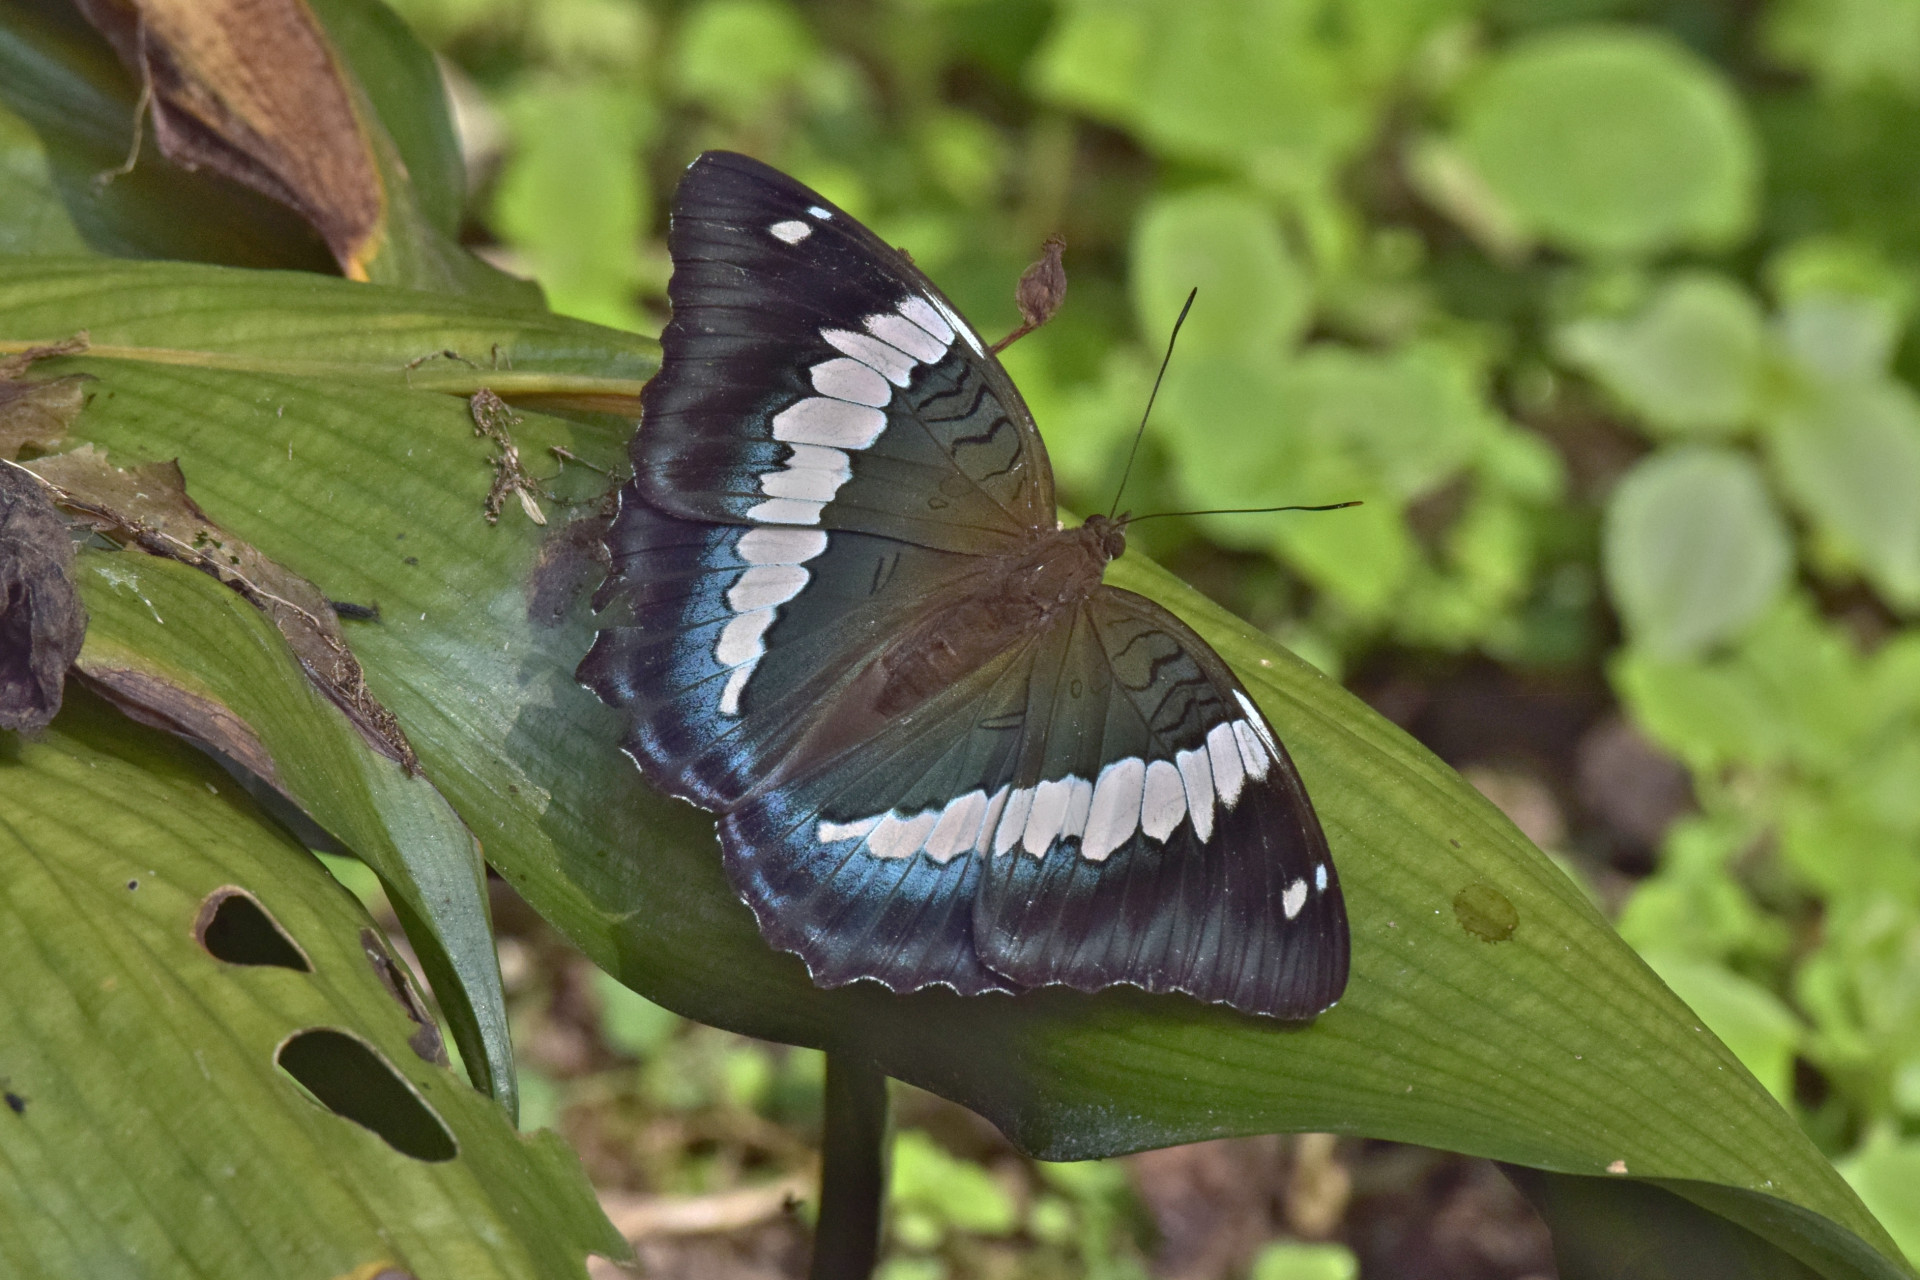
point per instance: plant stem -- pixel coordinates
(853, 1171)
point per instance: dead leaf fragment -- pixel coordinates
(42, 622)
(148, 507)
(36, 415)
(492, 419)
(148, 698)
(251, 89)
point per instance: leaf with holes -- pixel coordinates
(1515, 1026)
(206, 1057)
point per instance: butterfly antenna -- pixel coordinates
(1164, 361)
(1243, 511)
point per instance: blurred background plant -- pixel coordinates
(1601, 305)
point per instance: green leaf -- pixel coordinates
(1849, 44)
(1749, 1019)
(739, 56)
(154, 1131)
(1689, 363)
(953, 1192)
(1885, 1171)
(1694, 549)
(1612, 141)
(573, 197)
(1294, 1260)
(1556, 1047)
(1255, 298)
(1848, 454)
(165, 622)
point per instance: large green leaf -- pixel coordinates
(150, 1129)
(158, 621)
(1491, 1011)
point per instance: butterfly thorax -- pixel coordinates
(1013, 597)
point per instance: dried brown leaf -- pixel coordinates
(251, 89)
(149, 507)
(36, 415)
(148, 698)
(42, 622)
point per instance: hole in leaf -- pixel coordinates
(234, 927)
(349, 1078)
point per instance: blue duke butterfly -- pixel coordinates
(842, 615)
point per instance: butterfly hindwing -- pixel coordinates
(1189, 859)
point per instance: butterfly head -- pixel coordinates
(1108, 535)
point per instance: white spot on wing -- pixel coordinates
(780, 546)
(785, 511)
(1116, 808)
(1047, 816)
(958, 325)
(1197, 774)
(1259, 723)
(736, 685)
(852, 381)
(885, 359)
(812, 484)
(823, 420)
(1223, 753)
(822, 214)
(922, 313)
(958, 827)
(834, 832)
(1294, 898)
(791, 231)
(764, 586)
(991, 822)
(1079, 803)
(896, 330)
(1164, 801)
(741, 639)
(1252, 751)
(1320, 878)
(1013, 821)
(898, 837)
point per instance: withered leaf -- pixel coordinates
(36, 415)
(148, 507)
(252, 90)
(42, 622)
(1042, 288)
(148, 698)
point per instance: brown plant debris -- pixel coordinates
(148, 507)
(36, 415)
(148, 698)
(252, 90)
(42, 622)
(1042, 288)
(492, 419)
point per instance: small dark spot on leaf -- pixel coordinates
(512, 790)
(1454, 843)
(1485, 912)
(132, 885)
(16, 1103)
(356, 612)
(411, 560)
(234, 927)
(348, 1077)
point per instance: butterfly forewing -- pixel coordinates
(839, 614)
(812, 376)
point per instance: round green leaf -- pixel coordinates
(1255, 298)
(1848, 455)
(1694, 550)
(1613, 142)
(1689, 363)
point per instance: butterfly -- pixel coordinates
(842, 614)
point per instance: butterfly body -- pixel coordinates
(843, 616)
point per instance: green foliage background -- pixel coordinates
(1439, 245)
